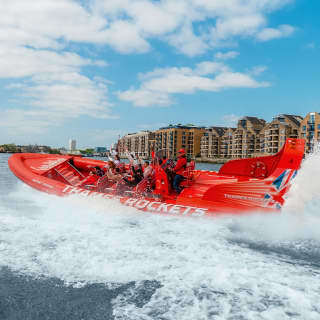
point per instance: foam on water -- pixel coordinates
(257, 266)
(305, 192)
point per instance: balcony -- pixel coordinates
(311, 128)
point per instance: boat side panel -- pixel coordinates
(19, 165)
(85, 164)
(260, 167)
(209, 192)
(289, 157)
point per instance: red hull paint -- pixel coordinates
(240, 186)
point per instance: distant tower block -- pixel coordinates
(72, 145)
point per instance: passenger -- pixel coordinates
(105, 168)
(112, 173)
(120, 165)
(147, 170)
(131, 158)
(99, 171)
(178, 169)
(117, 160)
(137, 175)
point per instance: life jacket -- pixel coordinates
(181, 165)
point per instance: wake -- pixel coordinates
(225, 266)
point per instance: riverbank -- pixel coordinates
(214, 161)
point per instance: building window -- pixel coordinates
(304, 128)
(312, 117)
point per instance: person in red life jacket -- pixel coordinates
(178, 169)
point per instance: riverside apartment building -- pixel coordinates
(310, 130)
(252, 137)
(140, 143)
(174, 137)
(246, 139)
(211, 142)
(276, 132)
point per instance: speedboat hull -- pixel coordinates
(240, 186)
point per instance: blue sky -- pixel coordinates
(95, 69)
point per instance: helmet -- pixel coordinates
(182, 151)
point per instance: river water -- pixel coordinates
(95, 259)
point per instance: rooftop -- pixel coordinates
(180, 126)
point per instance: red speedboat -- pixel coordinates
(242, 185)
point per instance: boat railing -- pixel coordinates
(76, 169)
(61, 175)
(69, 173)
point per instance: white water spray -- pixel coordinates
(300, 216)
(228, 267)
(305, 192)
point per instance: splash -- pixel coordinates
(299, 219)
(226, 267)
(305, 192)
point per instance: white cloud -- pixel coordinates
(226, 55)
(70, 99)
(125, 37)
(146, 98)
(238, 25)
(128, 25)
(157, 86)
(230, 120)
(49, 80)
(53, 87)
(154, 18)
(184, 24)
(258, 70)
(18, 62)
(17, 122)
(271, 33)
(208, 67)
(186, 42)
(42, 23)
